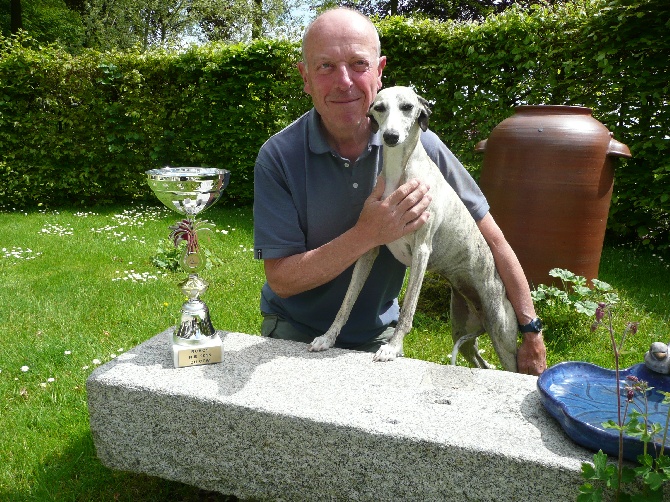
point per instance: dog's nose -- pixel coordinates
(391, 138)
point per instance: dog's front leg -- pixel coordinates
(394, 347)
(358, 277)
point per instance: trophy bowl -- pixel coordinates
(189, 191)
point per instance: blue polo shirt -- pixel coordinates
(305, 195)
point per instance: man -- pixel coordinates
(318, 203)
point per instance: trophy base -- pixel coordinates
(208, 351)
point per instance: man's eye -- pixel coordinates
(361, 65)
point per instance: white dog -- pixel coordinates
(450, 244)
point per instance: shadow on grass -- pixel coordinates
(77, 474)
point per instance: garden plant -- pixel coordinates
(632, 420)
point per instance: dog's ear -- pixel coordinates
(424, 113)
(374, 125)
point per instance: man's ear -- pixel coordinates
(381, 63)
(424, 113)
(302, 68)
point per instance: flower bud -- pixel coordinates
(633, 327)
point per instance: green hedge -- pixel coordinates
(84, 129)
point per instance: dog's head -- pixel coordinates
(397, 112)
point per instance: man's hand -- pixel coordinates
(531, 357)
(401, 213)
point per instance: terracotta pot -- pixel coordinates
(548, 176)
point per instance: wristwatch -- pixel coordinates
(534, 326)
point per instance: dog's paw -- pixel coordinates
(386, 353)
(321, 343)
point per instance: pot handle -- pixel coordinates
(618, 149)
(481, 146)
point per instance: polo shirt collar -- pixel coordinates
(317, 140)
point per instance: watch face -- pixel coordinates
(533, 326)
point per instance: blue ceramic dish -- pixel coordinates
(581, 396)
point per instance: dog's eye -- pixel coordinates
(381, 107)
(407, 107)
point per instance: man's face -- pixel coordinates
(342, 71)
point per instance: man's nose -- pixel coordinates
(343, 77)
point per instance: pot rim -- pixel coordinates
(554, 109)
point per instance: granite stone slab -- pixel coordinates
(276, 422)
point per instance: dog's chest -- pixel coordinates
(402, 249)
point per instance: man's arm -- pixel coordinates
(380, 222)
(532, 354)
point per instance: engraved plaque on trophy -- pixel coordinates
(189, 191)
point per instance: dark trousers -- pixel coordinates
(274, 326)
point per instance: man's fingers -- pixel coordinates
(378, 190)
(417, 210)
(401, 213)
(414, 202)
(410, 191)
(416, 223)
(409, 198)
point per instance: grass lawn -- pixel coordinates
(79, 288)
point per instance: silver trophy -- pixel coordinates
(189, 191)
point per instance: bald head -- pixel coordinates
(342, 72)
(337, 20)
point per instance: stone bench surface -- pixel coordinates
(276, 422)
